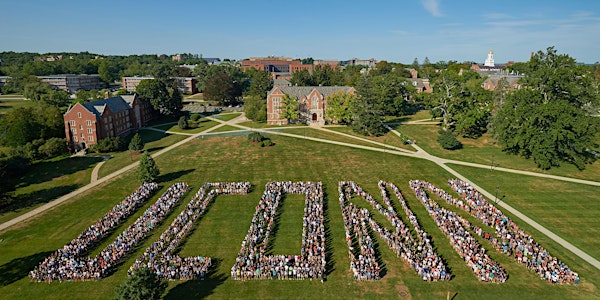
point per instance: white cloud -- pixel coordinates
(432, 6)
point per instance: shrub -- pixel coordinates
(448, 140)
(195, 117)
(266, 143)
(183, 124)
(255, 137)
(136, 143)
(110, 144)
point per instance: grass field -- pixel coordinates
(153, 141)
(484, 150)
(220, 231)
(7, 103)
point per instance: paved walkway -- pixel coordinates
(420, 153)
(97, 168)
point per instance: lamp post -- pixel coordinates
(496, 197)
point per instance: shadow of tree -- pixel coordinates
(47, 170)
(37, 197)
(20, 267)
(174, 175)
(199, 289)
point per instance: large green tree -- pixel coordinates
(255, 108)
(147, 171)
(163, 95)
(223, 88)
(260, 83)
(142, 284)
(338, 107)
(290, 110)
(547, 119)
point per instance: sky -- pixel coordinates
(394, 30)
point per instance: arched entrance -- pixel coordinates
(314, 117)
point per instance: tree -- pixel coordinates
(83, 96)
(290, 111)
(108, 70)
(147, 170)
(260, 83)
(338, 108)
(136, 144)
(142, 284)
(302, 78)
(182, 123)
(367, 117)
(546, 119)
(448, 141)
(166, 100)
(223, 89)
(255, 109)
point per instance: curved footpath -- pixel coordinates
(420, 153)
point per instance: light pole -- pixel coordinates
(496, 197)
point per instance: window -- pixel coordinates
(315, 102)
(90, 138)
(74, 139)
(72, 122)
(81, 127)
(82, 136)
(73, 130)
(89, 130)
(88, 123)
(79, 115)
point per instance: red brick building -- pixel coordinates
(312, 103)
(87, 123)
(275, 64)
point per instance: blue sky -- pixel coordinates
(391, 30)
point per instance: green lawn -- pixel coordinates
(203, 124)
(226, 128)
(7, 104)
(153, 141)
(227, 116)
(220, 231)
(483, 149)
(315, 133)
(46, 181)
(389, 138)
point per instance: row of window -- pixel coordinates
(90, 138)
(87, 122)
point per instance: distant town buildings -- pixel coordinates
(185, 85)
(72, 83)
(87, 123)
(312, 102)
(275, 64)
(496, 74)
(369, 63)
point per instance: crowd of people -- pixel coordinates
(159, 256)
(418, 254)
(253, 263)
(69, 263)
(453, 226)
(509, 239)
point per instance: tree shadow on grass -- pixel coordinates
(330, 265)
(18, 202)
(174, 175)
(199, 289)
(47, 170)
(20, 267)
